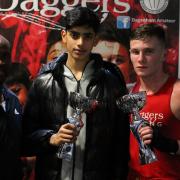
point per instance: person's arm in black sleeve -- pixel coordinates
(35, 136)
(123, 130)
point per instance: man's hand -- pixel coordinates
(67, 134)
(146, 133)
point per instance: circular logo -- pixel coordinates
(154, 6)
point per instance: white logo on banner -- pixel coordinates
(154, 6)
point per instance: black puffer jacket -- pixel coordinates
(107, 128)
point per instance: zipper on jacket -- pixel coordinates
(78, 86)
(74, 151)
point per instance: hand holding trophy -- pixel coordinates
(80, 104)
(132, 103)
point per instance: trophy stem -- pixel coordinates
(136, 114)
(65, 151)
(77, 113)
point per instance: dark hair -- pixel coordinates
(18, 73)
(149, 30)
(109, 32)
(80, 16)
(4, 50)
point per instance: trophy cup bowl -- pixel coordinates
(133, 103)
(77, 101)
(130, 101)
(80, 104)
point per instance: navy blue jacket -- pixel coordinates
(10, 137)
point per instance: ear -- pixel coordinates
(96, 40)
(63, 35)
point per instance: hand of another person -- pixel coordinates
(146, 133)
(67, 134)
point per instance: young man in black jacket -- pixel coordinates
(101, 147)
(10, 121)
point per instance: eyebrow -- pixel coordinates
(76, 32)
(139, 49)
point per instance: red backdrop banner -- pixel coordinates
(33, 28)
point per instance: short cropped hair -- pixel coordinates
(81, 16)
(18, 73)
(149, 30)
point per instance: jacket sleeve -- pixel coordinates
(120, 120)
(122, 152)
(121, 128)
(121, 135)
(35, 134)
(10, 137)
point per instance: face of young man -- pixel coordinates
(20, 90)
(79, 42)
(147, 56)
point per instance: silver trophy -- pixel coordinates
(132, 103)
(80, 104)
